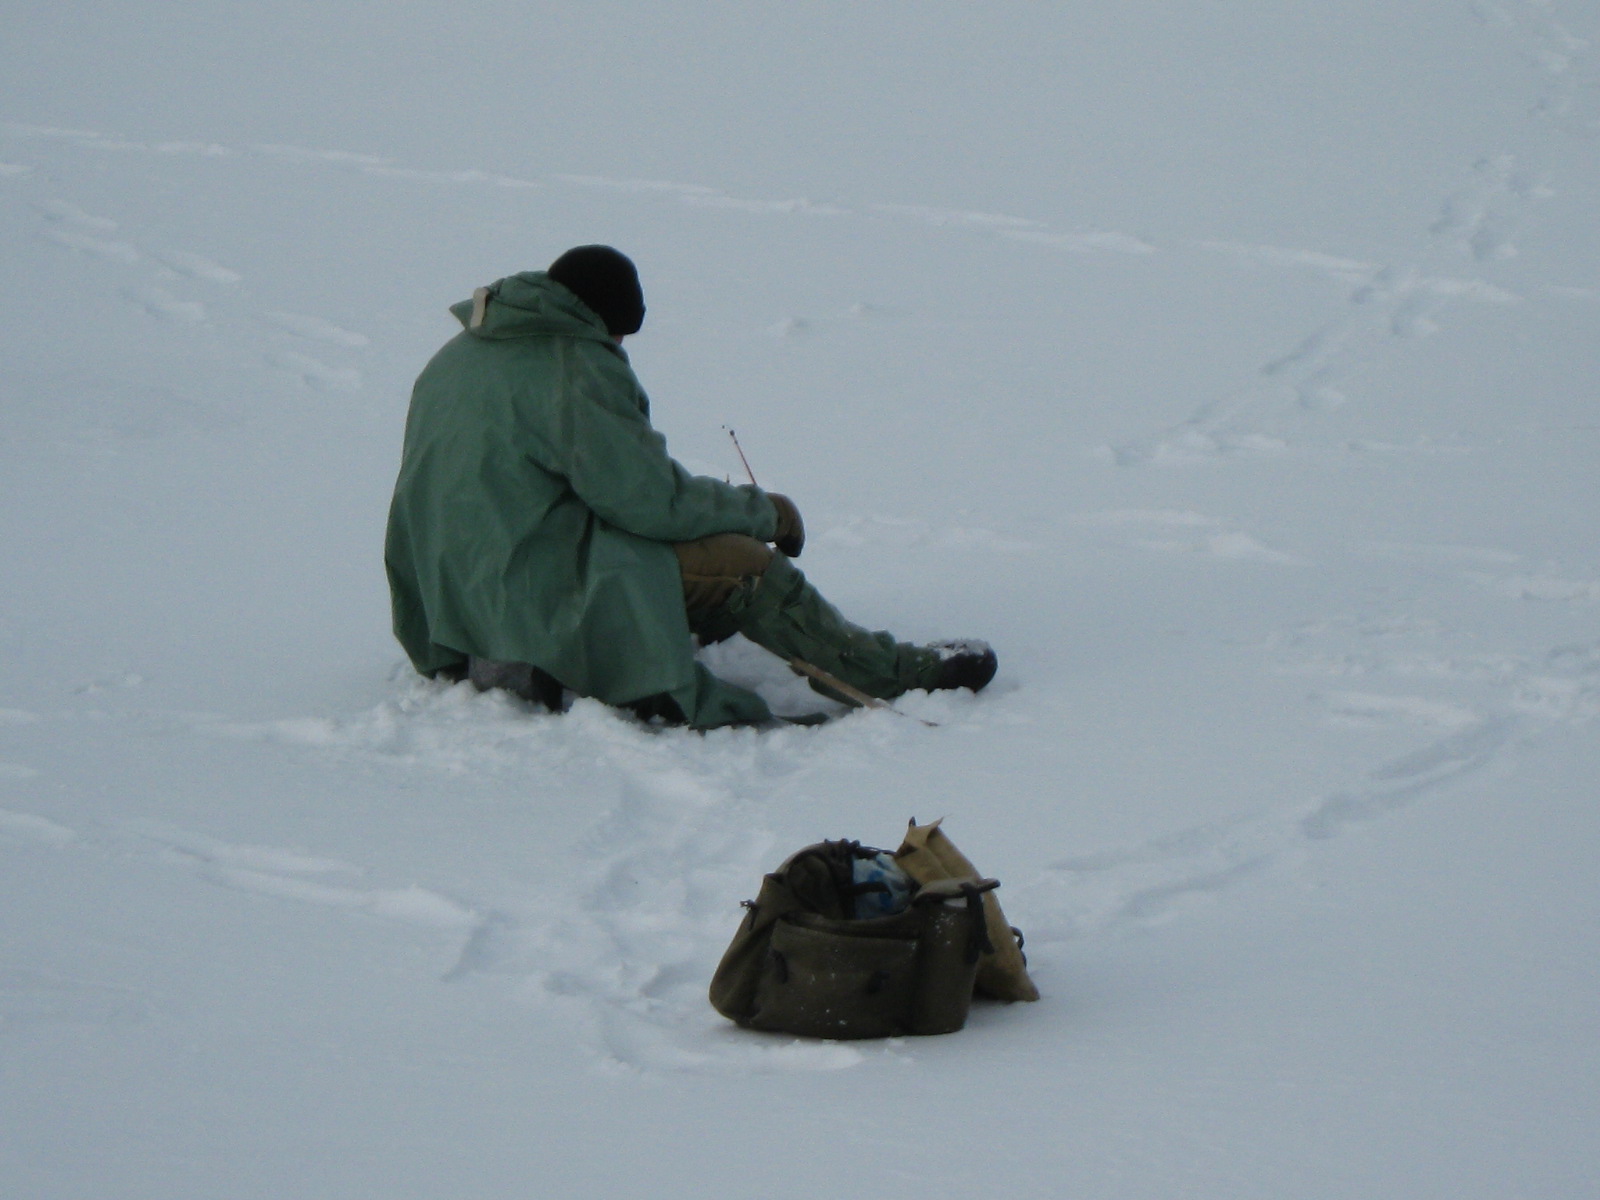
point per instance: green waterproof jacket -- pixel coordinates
(536, 507)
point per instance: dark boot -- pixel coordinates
(969, 663)
(520, 679)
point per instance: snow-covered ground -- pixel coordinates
(1234, 369)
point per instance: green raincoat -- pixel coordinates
(535, 511)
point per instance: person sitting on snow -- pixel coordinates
(541, 537)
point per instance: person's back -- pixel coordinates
(536, 508)
(475, 508)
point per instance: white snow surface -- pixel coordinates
(1235, 370)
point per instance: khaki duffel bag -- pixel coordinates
(809, 959)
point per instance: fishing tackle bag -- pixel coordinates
(844, 942)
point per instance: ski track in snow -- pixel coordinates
(162, 268)
(1475, 227)
(259, 870)
(1078, 241)
(288, 875)
(22, 827)
(1389, 304)
(1097, 895)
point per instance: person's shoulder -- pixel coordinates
(602, 350)
(603, 360)
(448, 357)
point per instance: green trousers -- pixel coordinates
(735, 584)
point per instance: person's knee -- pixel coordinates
(713, 569)
(734, 556)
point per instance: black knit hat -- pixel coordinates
(605, 280)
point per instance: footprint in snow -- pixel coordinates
(30, 829)
(159, 302)
(309, 879)
(197, 266)
(1152, 882)
(111, 251)
(1399, 782)
(70, 214)
(315, 329)
(317, 374)
(1368, 709)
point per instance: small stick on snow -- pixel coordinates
(853, 693)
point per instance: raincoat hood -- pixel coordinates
(530, 304)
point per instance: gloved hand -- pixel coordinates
(790, 537)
